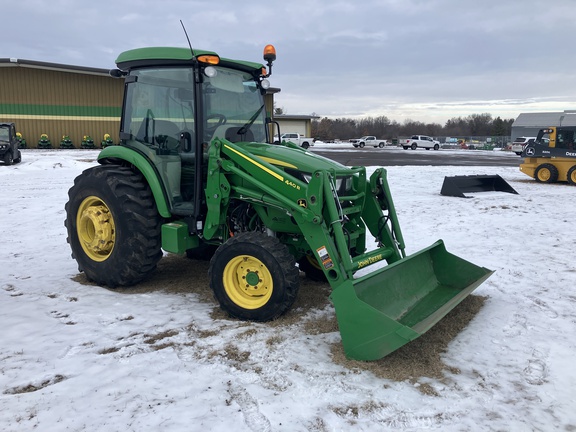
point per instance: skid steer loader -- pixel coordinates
(197, 173)
(551, 157)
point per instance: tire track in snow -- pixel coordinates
(253, 418)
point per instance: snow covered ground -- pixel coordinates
(162, 357)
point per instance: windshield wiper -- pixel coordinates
(247, 126)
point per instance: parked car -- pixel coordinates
(368, 140)
(419, 141)
(521, 142)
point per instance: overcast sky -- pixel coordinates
(426, 60)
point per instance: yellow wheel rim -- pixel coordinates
(573, 177)
(544, 174)
(96, 229)
(247, 282)
(313, 262)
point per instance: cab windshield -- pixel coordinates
(4, 134)
(161, 103)
(234, 106)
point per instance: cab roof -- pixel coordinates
(171, 56)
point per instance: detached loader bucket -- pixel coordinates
(380, 312)
(457, 185)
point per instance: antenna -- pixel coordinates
(189, 44)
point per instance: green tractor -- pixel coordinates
(87, 142)
(44, 142)
(22, 141)
(197, 173)
(106, 141)
(66, 142)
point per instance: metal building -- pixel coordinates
(57, 99)
(528, 124)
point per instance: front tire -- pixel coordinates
(414, 146)
(113, 226)
(546, 173)
(8, 159)
(254, 277)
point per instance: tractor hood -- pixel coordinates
(292, 158)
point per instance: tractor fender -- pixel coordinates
(145, 167)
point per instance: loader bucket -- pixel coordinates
(457, 185)
(382, 311)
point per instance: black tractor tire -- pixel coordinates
(546, 173)
(572, 176)
(254, 277)
(113, 226)
(8, 158)
(414, 146)
(311, 268)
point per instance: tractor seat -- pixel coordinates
(230, 133)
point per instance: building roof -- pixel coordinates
(295, 117)
(544, 119)
(14, 62)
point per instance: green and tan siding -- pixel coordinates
(57, 103)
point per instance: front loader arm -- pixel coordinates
(319, 212)
(378, 311)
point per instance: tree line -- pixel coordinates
(382, 127)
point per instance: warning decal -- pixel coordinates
(325, 257)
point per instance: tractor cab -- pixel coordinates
(174, 109)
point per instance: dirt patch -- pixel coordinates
(423, 356)
(313, 313)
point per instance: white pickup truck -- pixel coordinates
(368, 140)
(421, 141)
(298, 139)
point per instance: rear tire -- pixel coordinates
(572, 176)
(254, 277)
(113, 226)
(546, 173)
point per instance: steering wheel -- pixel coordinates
(211, 128)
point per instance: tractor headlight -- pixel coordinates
(343, 184)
